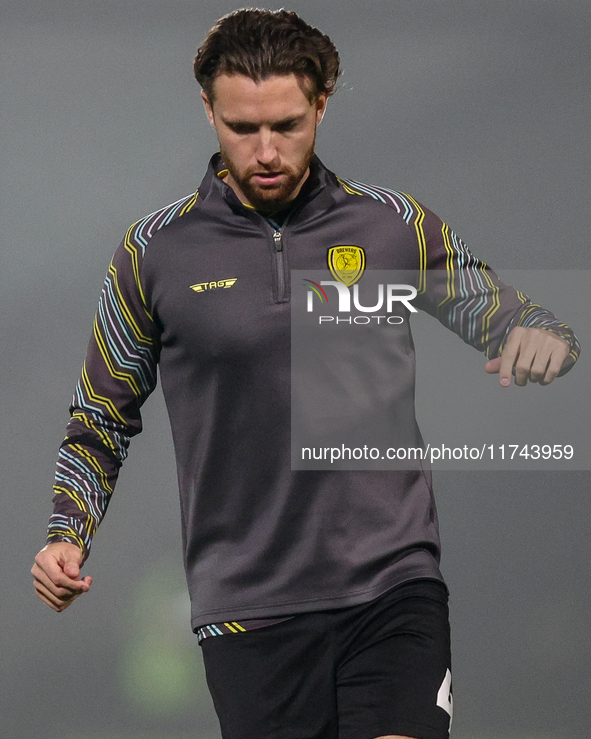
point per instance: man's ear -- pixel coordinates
(321, 107)
(208, 108)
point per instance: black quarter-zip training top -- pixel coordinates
(201, 288)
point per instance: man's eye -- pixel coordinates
(242, 128)
(286, 127)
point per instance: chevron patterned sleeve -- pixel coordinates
(461, 290)
(118, 375)
(468, 297)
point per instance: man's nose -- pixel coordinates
(266, 152)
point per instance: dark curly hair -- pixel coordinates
(259, 43)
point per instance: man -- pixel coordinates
(316, 595)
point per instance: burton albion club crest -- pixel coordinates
(346, 263)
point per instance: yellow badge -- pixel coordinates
(346, 263)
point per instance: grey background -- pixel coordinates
(480, 110)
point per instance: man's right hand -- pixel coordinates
(57, 575)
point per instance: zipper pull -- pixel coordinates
(277, 240)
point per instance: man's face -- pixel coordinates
(266, 132)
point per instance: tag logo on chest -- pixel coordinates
(202, 287)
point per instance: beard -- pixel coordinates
(270, 197)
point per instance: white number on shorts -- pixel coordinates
(444, 697)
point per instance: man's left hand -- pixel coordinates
(532, 354)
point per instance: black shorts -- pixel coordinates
(361, 672)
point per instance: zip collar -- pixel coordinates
(213, 186)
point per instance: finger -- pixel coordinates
(58, 600)
(66, 573)
(493, 365)
(57, 606)
(553, 368)
(51, 590)
(508, 360)
(55, 580)
(52, 600)
(550, 353)
(48, 598)
(49, 602)
(560, 351)
(524, 366)
(539, 367)
(72, 570)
